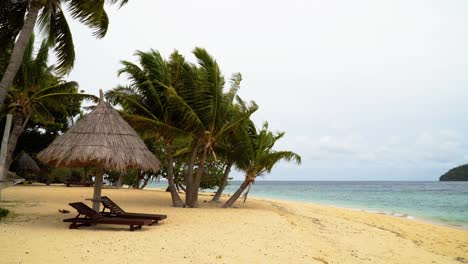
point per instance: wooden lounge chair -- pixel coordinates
(91, 217)
(116, 211)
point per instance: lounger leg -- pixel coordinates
(132, 228)
(73, 226)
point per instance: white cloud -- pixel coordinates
(428, 149)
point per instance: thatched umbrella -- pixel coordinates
(102, 139)
(25, 164)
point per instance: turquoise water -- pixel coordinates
(443, 202)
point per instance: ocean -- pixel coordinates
(440, 202)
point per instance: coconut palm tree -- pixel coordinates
(207, 111)
(36, 92)
(50, 17)
(145, 102)
(259, 158)
(232, 145)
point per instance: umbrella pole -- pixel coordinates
(97, 188)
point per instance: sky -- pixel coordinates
(364, 89)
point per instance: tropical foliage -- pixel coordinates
(4, 212)
(38, 95)
(174, 101)
(19, 17)
(259, 158)
(40, 102)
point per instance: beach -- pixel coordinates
(259, 231)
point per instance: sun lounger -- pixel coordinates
(91, 217)
(116, 211)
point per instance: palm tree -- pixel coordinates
(49, 15)
(207, 112)
(260, 158)
(232, 145)
(36, 92)
(145, 102)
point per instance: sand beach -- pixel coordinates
(259, 231)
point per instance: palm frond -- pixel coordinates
(92, 14)
(63, 95)
(131, 100)
(211, 83)
(119, 2)
(236, 80)
(187, 114)
(42, 56)
(148, 126)
(60, 37)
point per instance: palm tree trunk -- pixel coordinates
(136, 185)
(15, 134)
(145, 182)
(189, 173)
(18, 51)
(237, 194)
(176, 200)
(3, 149)
(118, 184)
(180, 186)
(220, 190)
(84, 179)
(196, 185)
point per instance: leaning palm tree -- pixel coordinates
(232, 145)
(49, 16)
(259, 158)
(36, 93)
(207, 111)
(145, 103)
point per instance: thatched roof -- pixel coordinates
(102, 138)
(24, 163)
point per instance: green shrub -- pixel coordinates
(4, 212)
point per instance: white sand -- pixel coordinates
(260, 231)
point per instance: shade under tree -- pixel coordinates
(102, 139)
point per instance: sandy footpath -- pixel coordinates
(259, 231)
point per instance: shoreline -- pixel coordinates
(259, 231)
(400, 215)
(364, 210)
(379, 212)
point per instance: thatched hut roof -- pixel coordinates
(102, 138)
(24, 163)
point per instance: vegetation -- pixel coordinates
(205, 129)
(20, 17)
(36, 93)
(177, 100)
(4, 212)
(259, 158)
(459, 173)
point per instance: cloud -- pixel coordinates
(427, 149)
